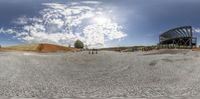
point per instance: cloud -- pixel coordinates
(65, 23)
(196, 30)
(21, 20)
(9, 31)
(91, 2)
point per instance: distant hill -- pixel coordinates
(121, 48)
(39, 48)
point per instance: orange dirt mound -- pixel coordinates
(54, 48)
(39, 48)
(196, 49)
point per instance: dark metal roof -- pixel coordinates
(176, 33)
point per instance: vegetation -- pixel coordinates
(122, 48)
(79, 44)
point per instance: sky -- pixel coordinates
(98, 23)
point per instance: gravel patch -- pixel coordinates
(104, 75)
(168, 51)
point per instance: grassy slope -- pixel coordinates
(28, 47)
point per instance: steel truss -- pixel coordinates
(181, 37)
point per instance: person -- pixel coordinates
(96, 51)
(92, 51)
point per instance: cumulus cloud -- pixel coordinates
(65, 23)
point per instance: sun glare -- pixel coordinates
(101, 20)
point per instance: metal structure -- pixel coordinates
(181, 37)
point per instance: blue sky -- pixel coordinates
(139, 22)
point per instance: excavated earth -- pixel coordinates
(162, 73)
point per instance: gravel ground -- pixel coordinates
(104, 75)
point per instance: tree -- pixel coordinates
(78, 44)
